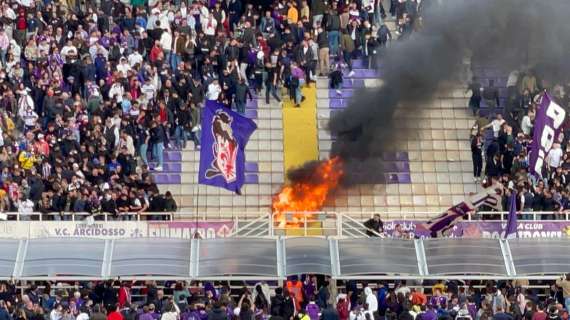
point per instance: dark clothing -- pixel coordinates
(329, 313)
(242, 92)
(502, 316)
(277, 305)
(217, 314)
(323, 40)
(373, 226)
(492, 94)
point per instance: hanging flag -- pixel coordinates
(443, 224)
(547, 127)
(511, 228)
(224, 136)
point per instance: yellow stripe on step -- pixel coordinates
(300, 137)
(314, 228)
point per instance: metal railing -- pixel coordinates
(257, 216)
(80, 216)
(385, 215)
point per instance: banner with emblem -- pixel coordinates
(225, 134)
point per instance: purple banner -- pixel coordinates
(441, 225)
(480, 229)
(224, 136)
(547, 126)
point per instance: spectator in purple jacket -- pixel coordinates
(313, 310)
(146, 315)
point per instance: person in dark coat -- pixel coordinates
(217, 313)
(277, 302)
(374, 226)
(241, 95)
(329, 313)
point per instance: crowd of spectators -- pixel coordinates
(500, 142)
(92, 92)
(308, 298)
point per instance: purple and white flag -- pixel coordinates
(443, 224)
(547, 126)
(511, 228)
(224, 136)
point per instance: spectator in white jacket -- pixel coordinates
(209, 25)
(371, 300)
(171, 312)
(166, 44)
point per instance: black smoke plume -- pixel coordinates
(508, 33)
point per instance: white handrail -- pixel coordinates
(251, 216)
(73, 216)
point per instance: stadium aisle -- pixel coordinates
(300, 142)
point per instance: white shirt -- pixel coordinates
(214, 91)
(526, 125)
(26, 207)
(513, 78)
(554, 157)
(123, 68)
(166, 41)
(67, 50)
(30, 118)
(209, 27)
(135, 58)
(496, 124)
(148, 90)
(117, 91)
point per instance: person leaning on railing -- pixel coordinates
(374, 226)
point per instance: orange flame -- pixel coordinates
(305, 197)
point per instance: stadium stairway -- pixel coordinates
(264, 171)
(431, 170)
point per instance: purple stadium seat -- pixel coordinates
(402, 166)
(251, 167)
(404, 178)
(161, 178)
(402, 156)
(251, 104)
(174, 179)
(251, 179)
(358, 63)
(336, 104)
(172, 156)
(172, 167)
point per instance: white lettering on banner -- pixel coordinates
(547, 137)
(181, 230)
(556, 113)
(103, 230)
(114, 229)
(525, 234)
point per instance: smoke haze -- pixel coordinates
(510, 33)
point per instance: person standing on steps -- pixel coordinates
(477, 155)
(241, 95)
(323, 42)
(297, 82)
(347, 47)
(271, 82)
